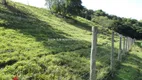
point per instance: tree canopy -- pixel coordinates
(87, 13)
(64, 7)
(4, 2)
(126, 26)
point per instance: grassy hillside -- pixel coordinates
(131, 68)
(37, 45)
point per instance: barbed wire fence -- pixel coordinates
(125, 44)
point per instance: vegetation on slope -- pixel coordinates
(131, 68)
(36, 45)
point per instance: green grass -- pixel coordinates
(131, 68)
(37, 45)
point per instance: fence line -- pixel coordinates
(125, 44)
(123, 48)
(120, 48)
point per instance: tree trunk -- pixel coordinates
(4, 2)
(93, 54)
(112, 54)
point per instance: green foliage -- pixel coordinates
(103, 21)
(64, 7)
(100, 13)
(123, 26)
(87, 14)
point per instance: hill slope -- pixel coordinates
(131, 68)
(37, 45)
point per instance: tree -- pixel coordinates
(87, 13)
(4, 2)
(74, 7)
(100, 13)
(49, 3)
(64, 7)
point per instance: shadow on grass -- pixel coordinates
(77, 23)
(10, 62)
(14, 10)
(31, 26)
(139, 44)
(130, 69)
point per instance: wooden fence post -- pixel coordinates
(124, 45)
(93, 54)
(112, 54)
(127, 44)
(120, 48)
(133, 41)
(130, 43)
